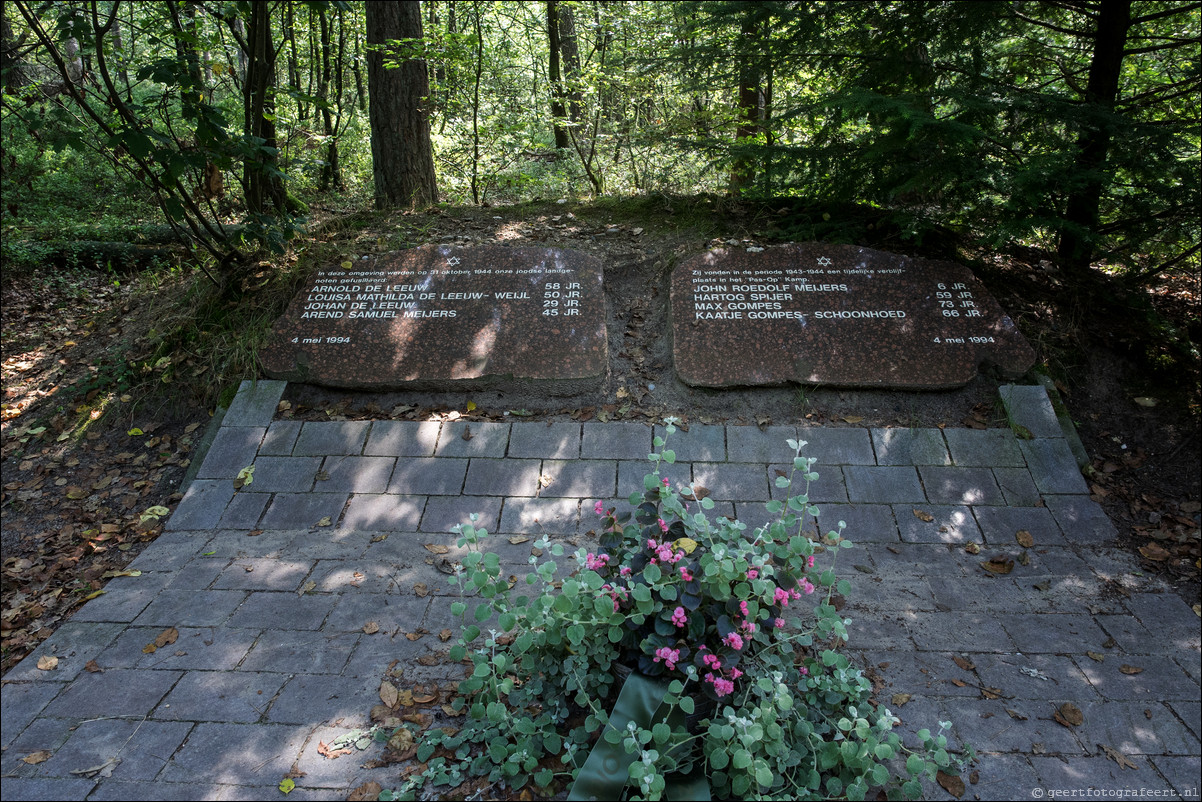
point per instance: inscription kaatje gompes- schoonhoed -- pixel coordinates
(439, 314)
(836, 315)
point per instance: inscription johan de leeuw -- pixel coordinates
(439, 314)
(836, 315)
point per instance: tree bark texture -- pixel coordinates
(558, 112)
(750, 112)
(260, 174)
(402, 156)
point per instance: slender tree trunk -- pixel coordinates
(357, 70)
(260, 175)
(331, 171)
(402, 156)
(302, 110)
(476, 105)
(742, 174)
(558, 112)
(569, 50)
(1082, 208)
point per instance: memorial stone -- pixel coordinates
(836, 315)
(442, 317)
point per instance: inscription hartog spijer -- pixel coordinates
(440, 315)
(836, 315)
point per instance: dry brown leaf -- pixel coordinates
(964, 663)
(421, 590)
(40, 756)
(425, 697)
(972, 548)
(414, 636)
(992, 693)
(1154, 551)
(853, 418)
(401, 740)
(405, 698)
(325, 751)
(435, 548)
(371, 628)
(429, 660)
(389, 694)
(959, 683)
(1024, 538)
(305, 588)
(923, 516)
(516, 539)
(1128, 669)
(467, 433)
(1014, 714)
(1068, 715)
(92, 667)
(445, 635)
(451, 711)
(167, 637)
(1118, 757)
(325, 521)
(952, 784)
(47, 663)
(368, 792)
(1097, 657)
(900, 699)
(1000, 565)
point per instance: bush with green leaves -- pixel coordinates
(714, 608)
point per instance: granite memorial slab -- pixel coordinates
(836, 315)
(438, 317)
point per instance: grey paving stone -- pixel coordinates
(559, 440)
(1035, 676)
(502, 477)
(129, 791)
(537, 516)
(255, 403)
(282, 475)
(226, 696)
(1017, 487)
(189, 608)
(958, 631)
(1192, 665)
(297, 652)
(753, 444)
(880, 632)
(999, 525)
(587, 479)
(1190, 713)
(428, 476)
(280, 438)
(1081, 519)
(615, 440)
(950, 524)
(830, 486)
(910, 447)
(202, 571)
(837, 446)
(1053, 466)
(341, 544)
(392, 613)
(117, 692)
(1168, 616)
(47, 788)
(42, 733)
(124, 598)
(196, 648)
(264, 573)
(733, 482)
(142, 747)
(326, 699)
(875, 592)
(484, 439)
(20, 703)
(267, 543)
(282, 611)
(866, 523)
(362, 576)
(321, 773)
(443, 512)
(630, 476)
(1133, 637)
(202, 506)
(960, 485)
(1001, 776)
(984, 723)
(392, 438)
(232, 449)
(1181, 772)
(302, 510)
(323, 438)
(1158, 679)
(1029, 407)
(171, 551)
(945, 563)
(1136, 728)
(981, 592)
(232, 753)
(383, 513)
(883, 485)
(355, 474)
(74, 643)
(984, 448)
(919, 673)
(1045, 633)
(244, 511)
(701, 443)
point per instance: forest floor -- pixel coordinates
(93, 450)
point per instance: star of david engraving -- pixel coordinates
(452, 261)
(824, 261)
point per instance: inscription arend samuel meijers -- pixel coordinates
(836, 315)
(438, 315)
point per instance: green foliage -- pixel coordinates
(777, 710)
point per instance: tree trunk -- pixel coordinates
(1093, 142)
(331, 171)
(558, 112)
(570, 51)
(260, 176)
(402, 156)
(751, 99)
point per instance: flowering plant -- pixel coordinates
(736, 622)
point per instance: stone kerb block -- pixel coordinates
(836, 315)
(442, 317)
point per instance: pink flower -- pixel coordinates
(597, 508)
(711, 661)
(663, 527)
(751, 572)
(685, 575)
(807, 587)
(804, 671)
(722, 687)
(780, 622)
(796, 594)
(651, 544)
(625, 570)
(810, 561)
(781, 597)
(748, 627)
(665, 481)
(733, 641)
(680, 617)
(735, 673)
(669, 656)
(595, 563)
(743, 608)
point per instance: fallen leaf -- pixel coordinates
(1024, 538)
(429, 660)
(40, 756)
(1044, 585)
(244, 477)
(92, 667)
(1145, 401)
(325, 751)
(1068, 715)
(964, 663)
(952, 784)
(424, 697)
(1096, 656)
(136, 432)
(401, 740)
(1014, 714)
(972, 548)
(992, 693)
(286, 785)
(900, 699)
(371, 628)
(421, 590)
(368, 792)
(451, 711)
(1118, 757)
(923, 516)
(435, 548)
(516, 539)
(325, 521)
(105, 769)
(467, 433)
(445, 635)
(167, 637)
(1154, 551)
(1128, 669)
(414, 636)
(47, 663)
(853, 418)
(389, 694)
(1001, 565)
(305, 588)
